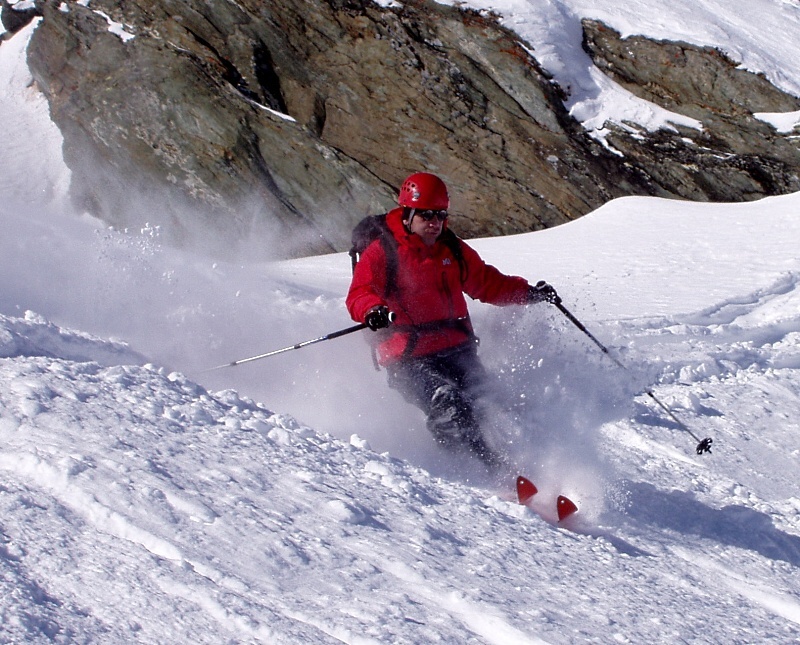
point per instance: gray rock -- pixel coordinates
(15, 17)
(735, 157)
(185, 125)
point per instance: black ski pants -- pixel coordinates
(448, 387)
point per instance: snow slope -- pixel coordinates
(296, 499)
(139, 507)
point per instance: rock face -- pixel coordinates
(735, 157)
(277, 125)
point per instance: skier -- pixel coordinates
(412, 288)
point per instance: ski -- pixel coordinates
(565, 507)
(526, 490)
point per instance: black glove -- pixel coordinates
(543, 292)
(378, 318)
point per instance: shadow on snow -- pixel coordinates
(733, 525)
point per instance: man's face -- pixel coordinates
(428, 230)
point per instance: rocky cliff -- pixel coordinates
(263, 121)
(735, 156)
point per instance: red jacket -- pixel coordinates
(430, 291)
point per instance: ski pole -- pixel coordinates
(331, 336)
(704, 445)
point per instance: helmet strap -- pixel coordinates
(408, 215)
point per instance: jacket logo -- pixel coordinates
(446, 261)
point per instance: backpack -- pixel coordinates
(374, 227)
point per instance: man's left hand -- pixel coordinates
(543, 292)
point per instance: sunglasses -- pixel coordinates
(428, 215)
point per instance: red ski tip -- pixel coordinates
(565, 507)
(525, 489)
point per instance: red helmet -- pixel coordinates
(424, 191)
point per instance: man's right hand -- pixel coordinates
(378, 318)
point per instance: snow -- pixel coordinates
(116, 28)
(144, 499)
(784, 122)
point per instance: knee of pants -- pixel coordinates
(450, 417)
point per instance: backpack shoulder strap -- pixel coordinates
(389, 244)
